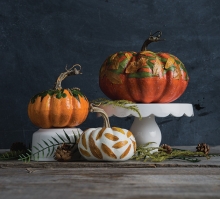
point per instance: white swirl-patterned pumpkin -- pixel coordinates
(106, 143)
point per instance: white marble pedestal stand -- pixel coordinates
(146, 130)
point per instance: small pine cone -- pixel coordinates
(64, 153)
(167, 148)
(18, 146)
(203, 147)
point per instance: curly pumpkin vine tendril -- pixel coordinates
(94, 108)
(72, 71)
(152, 38)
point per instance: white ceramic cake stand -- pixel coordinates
(146, 130)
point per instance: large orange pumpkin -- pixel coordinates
(144, 77)
(59, 107)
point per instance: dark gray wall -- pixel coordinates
(38, 39)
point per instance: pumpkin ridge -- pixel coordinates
(45, 112)
(79, 111)
(37, 112)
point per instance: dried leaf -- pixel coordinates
(114, 62)
(176, 74)
(177, 71)
(84, 140)
(94, 149)
(125, 152)
(113, 56)
(170, 62)
(113, 77)
(111, 137)
(99, 135)
(158, 67)
(128, 55)
(120, 144)
(118, 130)
(132, 67)
(142, 62)
(84, 152)
(108, 151)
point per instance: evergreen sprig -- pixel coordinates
(120, 103)
(50, 145)
(11, 155)
(158, 154)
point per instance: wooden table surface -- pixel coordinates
(124, 180)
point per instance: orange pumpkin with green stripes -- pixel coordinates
(59, 107)
(144, 77)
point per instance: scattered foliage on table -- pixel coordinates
(159, 154)
(12, 155)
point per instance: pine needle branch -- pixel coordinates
(10, 155)
(51, 143)
(120, 103)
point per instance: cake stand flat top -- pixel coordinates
(158, 110)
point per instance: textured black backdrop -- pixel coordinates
(38, 39)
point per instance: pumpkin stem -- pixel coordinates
(152, 38)
(103, 114)
(69, 72)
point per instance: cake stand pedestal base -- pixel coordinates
(146, 130)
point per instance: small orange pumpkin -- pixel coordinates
(59, 107)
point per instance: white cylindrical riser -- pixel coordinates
(42, 135)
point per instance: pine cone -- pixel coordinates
(203, 147)
(167, 148)
(64, 153)
(18, 146)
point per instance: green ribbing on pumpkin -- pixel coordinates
(144, 77)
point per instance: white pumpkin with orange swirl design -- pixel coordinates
(106, 143)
